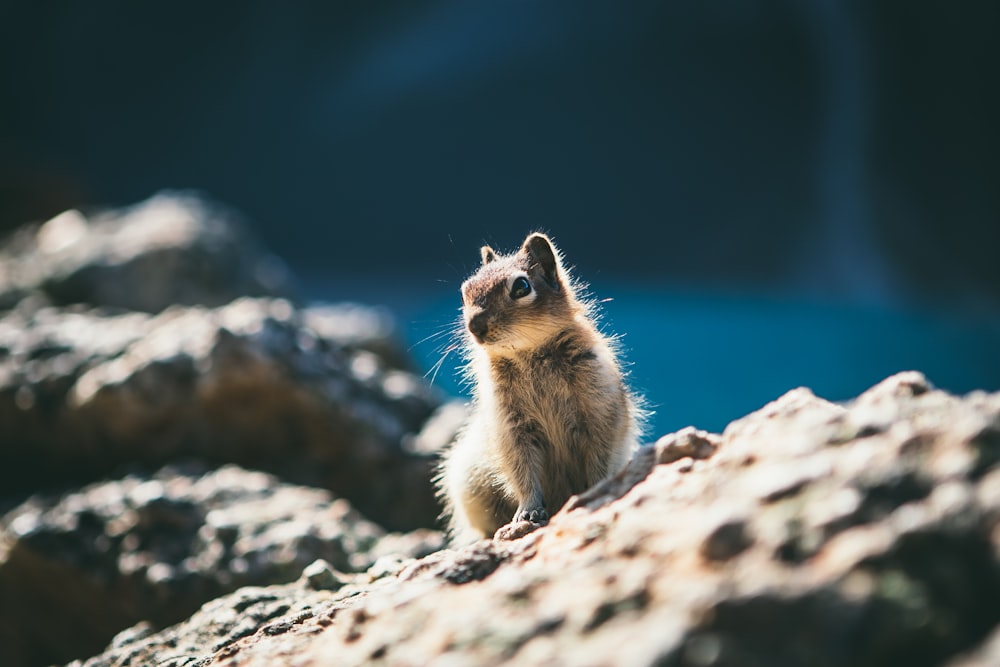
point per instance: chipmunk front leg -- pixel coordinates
(533, 510)
(525, 477)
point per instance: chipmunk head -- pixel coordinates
(518, 301)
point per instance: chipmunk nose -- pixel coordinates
(478, 326)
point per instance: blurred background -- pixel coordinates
(772, 194)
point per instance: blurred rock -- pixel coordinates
(809, 533)
(440, 429)
(320, 575)
(985, 655)
(174, 248)
(84, 392)
(154, 548)
(357, 327)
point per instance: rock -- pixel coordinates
(728, 539)
(808, 533)
(217, 627)
(412, 545)
(155, 548)
(687, 444)
(174, 248)
(515, 530)
(84, 392)
(440, 429)
(320, 576)
(986, 654)
(357, 328)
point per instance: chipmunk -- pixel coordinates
(551, 414)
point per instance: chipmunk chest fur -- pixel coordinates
(551, 412)
(562, 390)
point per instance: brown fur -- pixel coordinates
(551, 413)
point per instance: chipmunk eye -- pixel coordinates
(520, 288)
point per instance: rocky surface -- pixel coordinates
(154, 548)
(807, 533)
(177, 432)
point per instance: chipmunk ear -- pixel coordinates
(488, 254)
(541, 251)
